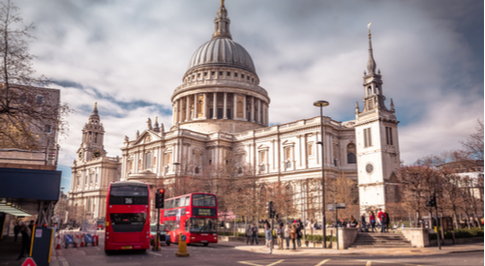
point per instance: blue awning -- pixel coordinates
(30, 184)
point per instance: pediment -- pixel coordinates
(263, 147)
(288, 143)
(147, 137)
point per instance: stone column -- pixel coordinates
(204, 107)
(194, 113)
(174, 112)
(244, 108)
(187, 108)
(259, 111)
(225, 106)
(252, 109)
(234, 107)
(214, 106)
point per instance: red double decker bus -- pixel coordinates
(127, 216)
(194, 215)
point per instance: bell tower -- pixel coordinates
(377, 142)
(93, 138)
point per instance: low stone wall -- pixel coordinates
(346, 237)
(449, 242)
(417, 236)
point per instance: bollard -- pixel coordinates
(82, 240)
(58, 246)
(76, 239)
(182, 246)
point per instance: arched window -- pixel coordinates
(351, 158)
(196, 169)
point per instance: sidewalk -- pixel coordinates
(474, 247)
(10, 250)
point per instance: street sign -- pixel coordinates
(29, 262)
(331, 207)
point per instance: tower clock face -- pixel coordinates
(80, 155)
(96, 154)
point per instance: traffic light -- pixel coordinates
(269, 209)
(159, 199)
(431, 202)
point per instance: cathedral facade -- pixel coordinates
(92, 172)
(221, 116)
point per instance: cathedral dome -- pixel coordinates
(222, 51)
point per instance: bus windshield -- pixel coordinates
(128, 194)
(128, 222)
(201, 225)
(203, 200)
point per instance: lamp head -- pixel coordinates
(321, 103)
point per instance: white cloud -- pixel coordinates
(139, 51)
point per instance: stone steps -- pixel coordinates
(380, 240)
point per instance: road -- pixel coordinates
(227, 255)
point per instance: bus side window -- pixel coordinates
(176, 205)
(165, 205)
(182, 202)
(170, 205)
(187, 201)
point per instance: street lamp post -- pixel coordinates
(322, 104)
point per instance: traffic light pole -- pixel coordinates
(158, 231)
(437, 223)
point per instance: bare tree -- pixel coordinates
(24, 117)
(474, 143)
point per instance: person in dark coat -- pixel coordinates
(299, 234)
(25, 231)
(31, 225)
(254, 231)
(388, 221)
(16, 231)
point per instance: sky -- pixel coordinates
(129, 56)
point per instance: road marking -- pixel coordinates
(249, 263)
(153, 253)
(322, 262)
(63, 261)
(274, 263)
(369, 263)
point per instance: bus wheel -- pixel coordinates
(206, 244)
(108, 252)
(168, 243)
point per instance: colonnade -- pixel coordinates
(220, 105)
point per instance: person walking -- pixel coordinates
(280, 233)
(382, 220)
(269, 238)
(293, 235)
(25, 231)
(31, 225)
(16, 230)
(287, 236)
(363, 226)
(299, 234)
(254, 231)
(249, 233)
(388, 221)
(372, 219)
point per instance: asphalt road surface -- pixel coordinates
(225, 255)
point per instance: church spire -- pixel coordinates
(222, 23)
(94, 114)
(371, 64)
